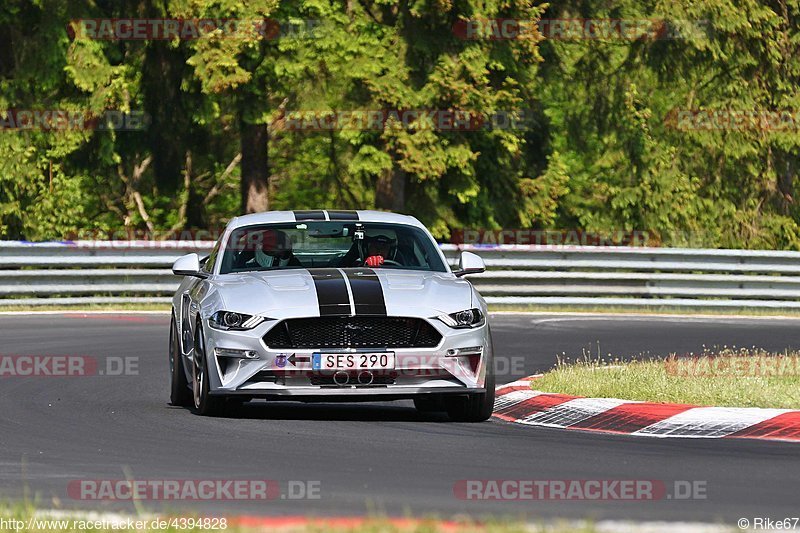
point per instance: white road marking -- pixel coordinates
(709, 422)
(572, 412)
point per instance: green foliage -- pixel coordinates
(603, 145)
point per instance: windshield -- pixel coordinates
(331, 245)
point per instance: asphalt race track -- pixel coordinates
(368, 458)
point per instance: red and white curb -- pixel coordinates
(517, 402)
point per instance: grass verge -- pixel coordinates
(726, 378)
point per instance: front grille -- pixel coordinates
(352, 332)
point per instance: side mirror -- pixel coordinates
(188, 265)
(469, 263)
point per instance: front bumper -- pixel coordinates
(288, 373)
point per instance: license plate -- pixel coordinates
(352, 361)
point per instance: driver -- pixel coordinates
(378, 249)
(275, 250)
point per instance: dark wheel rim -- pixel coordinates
(198, 371)
(172, 347)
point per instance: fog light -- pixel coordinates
(233, 352)
(458, 352)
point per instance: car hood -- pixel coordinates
(289, 293)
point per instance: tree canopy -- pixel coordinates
(677, 118)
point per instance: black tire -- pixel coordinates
(202, 402)
(429, 404)
(180, 393)
(473, 407)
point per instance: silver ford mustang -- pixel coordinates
(330, 306)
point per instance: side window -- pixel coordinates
(210, 261)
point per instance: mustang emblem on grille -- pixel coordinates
(355, 332)
(357, 328)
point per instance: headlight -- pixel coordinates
(469, 318)
(230, 321)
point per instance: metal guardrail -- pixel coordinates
(139, 271)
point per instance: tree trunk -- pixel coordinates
(255, 168)
(194, 208)
(786, 183)
(390, 191)
(166, 105)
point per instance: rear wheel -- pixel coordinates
(204, 403)
(473, 407)
(180, 394)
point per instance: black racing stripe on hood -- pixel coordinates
(367, 291)
(343, 215)
(331, 290)
(309, 215)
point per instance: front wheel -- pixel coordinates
(204, 404)
(180, 395)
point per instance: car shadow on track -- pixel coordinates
(358, 412)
